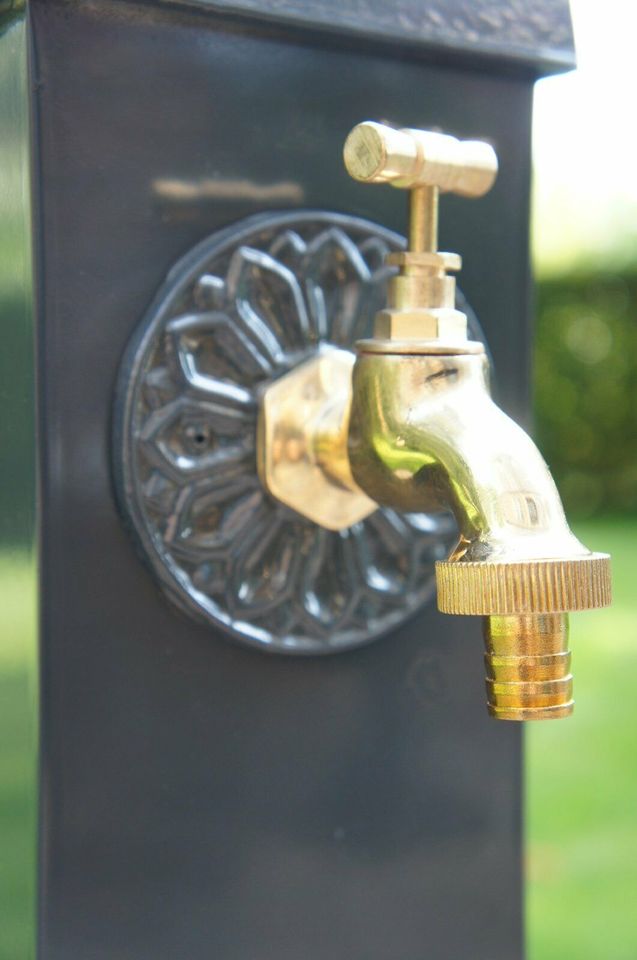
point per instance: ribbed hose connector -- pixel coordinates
(528, 666)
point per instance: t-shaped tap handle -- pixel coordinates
(421, 297)
(424, 162)
(375, 153)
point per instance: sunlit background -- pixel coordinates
(582, 773)
(585, 142)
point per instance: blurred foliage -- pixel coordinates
(586, 388)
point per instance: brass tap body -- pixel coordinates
(409, 423)
(424, 432)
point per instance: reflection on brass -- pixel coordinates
(302, 442)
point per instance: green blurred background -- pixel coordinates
(581, 811)
(581, 808)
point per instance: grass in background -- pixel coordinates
(581, 812)
(17, 757)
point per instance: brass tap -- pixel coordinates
(424, 431)
(409, 423)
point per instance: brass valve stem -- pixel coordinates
(423, 220)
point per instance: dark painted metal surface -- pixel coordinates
(201, 800)
(535, 35)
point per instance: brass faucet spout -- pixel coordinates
(422, 418)
(425, 434)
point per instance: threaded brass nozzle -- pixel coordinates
(528, 666)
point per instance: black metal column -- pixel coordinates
(199, 799)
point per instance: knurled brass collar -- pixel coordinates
(489, 588)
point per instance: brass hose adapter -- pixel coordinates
(528, 667)
(425, 434)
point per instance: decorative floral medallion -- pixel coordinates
(241, 309)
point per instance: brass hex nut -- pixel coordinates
(442, 323)
(302, 441)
